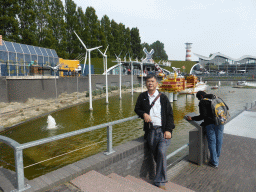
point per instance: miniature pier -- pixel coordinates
(173, 85)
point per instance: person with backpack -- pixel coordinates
(213, 123)
(155, 109)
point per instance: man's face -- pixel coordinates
(151, 84)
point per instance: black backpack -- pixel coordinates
(219, 109)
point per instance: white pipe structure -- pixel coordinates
(131, 74)
(90, 77)
(142, 77)
(175, 96)
(170, 96)
(120, 75)
(120, 78)
(105, 62)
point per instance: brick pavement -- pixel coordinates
(236, 172)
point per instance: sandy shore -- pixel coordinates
(15, 112)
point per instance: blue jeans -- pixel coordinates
(158, 146)
(214, 137)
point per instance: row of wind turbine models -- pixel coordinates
(90, 76)
(118, 59)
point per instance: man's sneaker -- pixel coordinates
(162, 187)
(212, 165)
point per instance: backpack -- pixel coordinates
(219, 110)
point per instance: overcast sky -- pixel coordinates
(226, 26)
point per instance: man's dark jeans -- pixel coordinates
(158, 146)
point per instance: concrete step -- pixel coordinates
(94, 181)
(137, 187)
(169, 186)
(143, 183)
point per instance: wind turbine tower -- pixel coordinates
(188, 51)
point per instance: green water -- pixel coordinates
(86, 144)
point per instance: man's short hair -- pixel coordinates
(199, 94)
(149, 76)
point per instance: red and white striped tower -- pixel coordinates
(188, 51)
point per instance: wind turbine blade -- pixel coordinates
(95, 48)
(106, 50)
(85, 59)
(101, 53)
(116, 56)
(120, 53)
(81, 41)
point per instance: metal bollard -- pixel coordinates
(109, 144)
(20, 171)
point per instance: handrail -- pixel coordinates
(73, 133)
(18, 148)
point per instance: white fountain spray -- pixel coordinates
(51, 122)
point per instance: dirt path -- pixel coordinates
(15, 112)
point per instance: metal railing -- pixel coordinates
(18, 148)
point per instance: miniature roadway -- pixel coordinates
(236, 171)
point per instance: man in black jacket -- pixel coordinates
(214, 132)
(158, 125)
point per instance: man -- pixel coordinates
(158, 126)
(214, 132)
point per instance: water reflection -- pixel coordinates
(79, 117)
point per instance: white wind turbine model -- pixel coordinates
(90, 76)
(120, 75)
(105, 67)
(131, 64)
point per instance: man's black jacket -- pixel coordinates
(142, 106)
(205, 110)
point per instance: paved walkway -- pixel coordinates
(237, 169)
(236, 172)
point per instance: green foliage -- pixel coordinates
(27, 24)
(159, 51)
(47, 23)
(136, 43)
(9, 26)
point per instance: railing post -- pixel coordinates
(109, 142)
(19, 171)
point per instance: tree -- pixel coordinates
(123, 48)
(136, 43)
(116, 34)
(27, 24)
(159, 51)
(92, 28)
(146, 45)
(71, 25)
(127, 41)
(57, 24)
(106, 27)
(9, 26)
(42, 20)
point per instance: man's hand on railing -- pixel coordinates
(189, 118)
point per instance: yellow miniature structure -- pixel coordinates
(175, 83)
(67, 66)
(172, 83)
